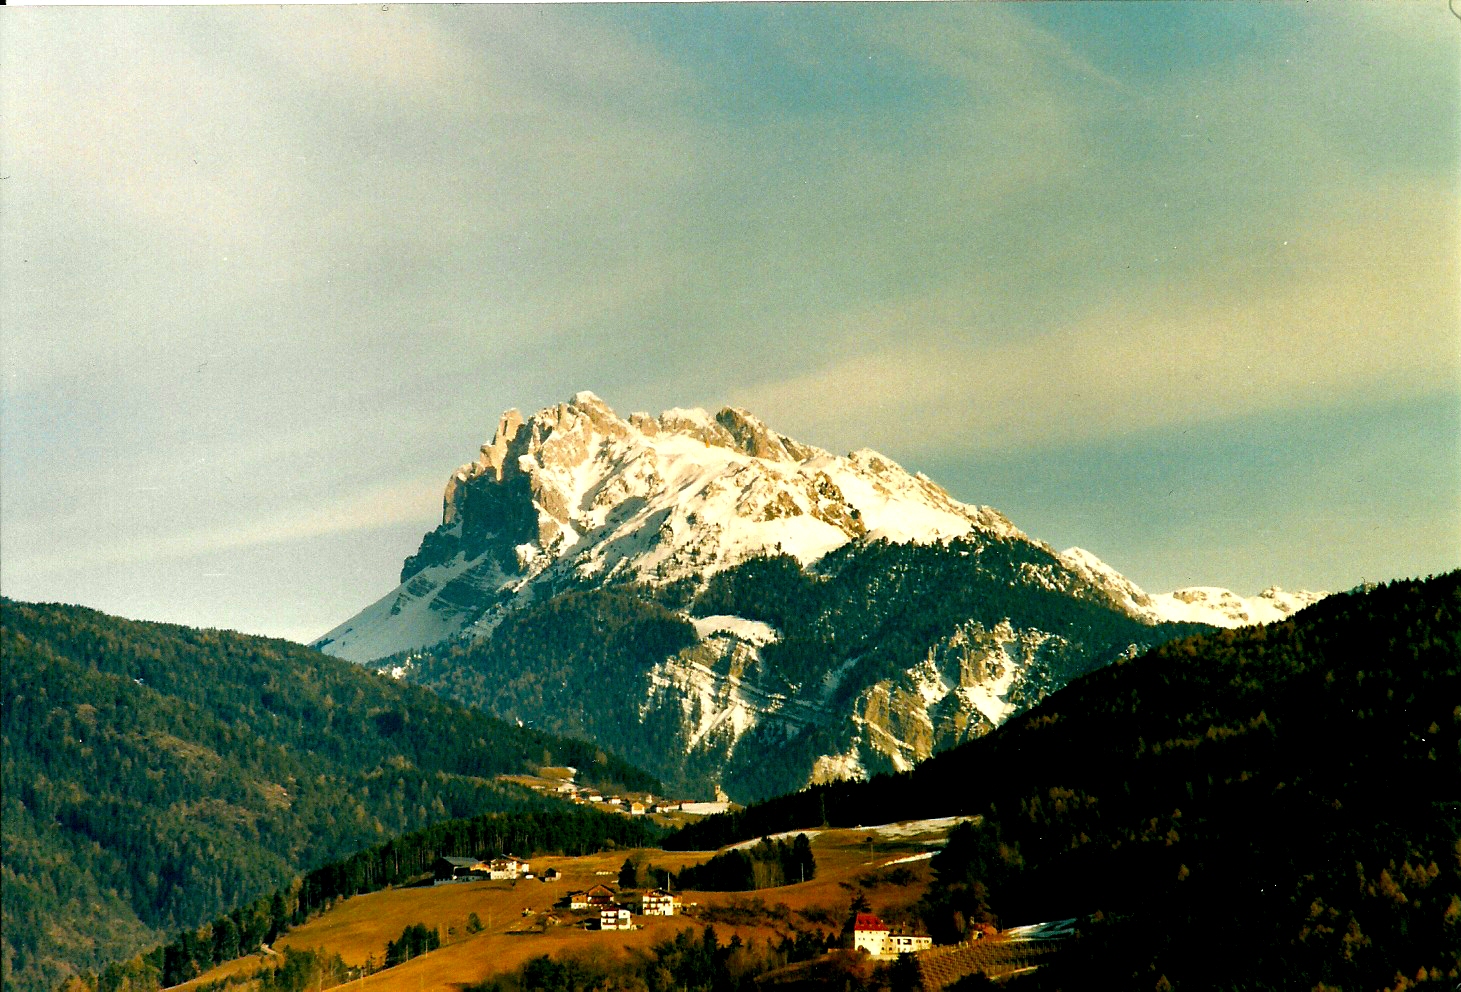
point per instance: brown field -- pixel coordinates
(358, 929)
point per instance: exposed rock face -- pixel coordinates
(575, 492)
(576, 497)
(971, 681)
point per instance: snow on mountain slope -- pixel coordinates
(1198, 604)
(1222, 608)
(883, 655)
(576, 492)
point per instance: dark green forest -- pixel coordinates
(765, 865)
(1268, 808)
(155, 776)
(875, 607)
(572, 665)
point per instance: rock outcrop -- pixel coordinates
(576, 498)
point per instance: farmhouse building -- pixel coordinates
(906, 943)
(615, 919)
(598, 897)
(869, 934)
(507, 866)
(658, 903)
(874, 936)
(455, 869)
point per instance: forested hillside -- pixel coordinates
(155, 776)
(849, 633)
(564, 830)
(1267, 808)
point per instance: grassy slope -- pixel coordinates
(359, 928)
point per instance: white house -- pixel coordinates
(658, 903)
(869, 934)
(906, 943)
(874, 936)
(615, 919)
(507, 866)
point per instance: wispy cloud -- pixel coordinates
(377, 507)
(1355, 308)
(259, 257)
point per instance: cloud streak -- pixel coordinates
(261, 259)
(372, 509)
(1330, 321)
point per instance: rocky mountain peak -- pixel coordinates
(574, 493)
(576, 490)
(754, 438)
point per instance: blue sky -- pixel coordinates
(1177, 283)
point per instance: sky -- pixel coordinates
(1176, 283)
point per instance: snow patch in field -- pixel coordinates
(926, 855)
(753, 631)
(912, 828)
(1053, 930)
(784, 835)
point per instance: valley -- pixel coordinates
(730, 497)
(1155, 802)
(513, 913)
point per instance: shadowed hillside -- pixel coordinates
(1291, 790)
(157, 775)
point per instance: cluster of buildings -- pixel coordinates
(882, 941)
(613, 914)
(584, 796)
(609, 910)
(449, 869)
(617, 804)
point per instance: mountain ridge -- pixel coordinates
(869, 619)
(1285, 792)
(576, 492)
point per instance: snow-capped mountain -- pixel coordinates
(578, 492)
(763, 612)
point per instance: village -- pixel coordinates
(602, 907)
(559, 782)
(496, 912)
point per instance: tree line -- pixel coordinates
(767, 864)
